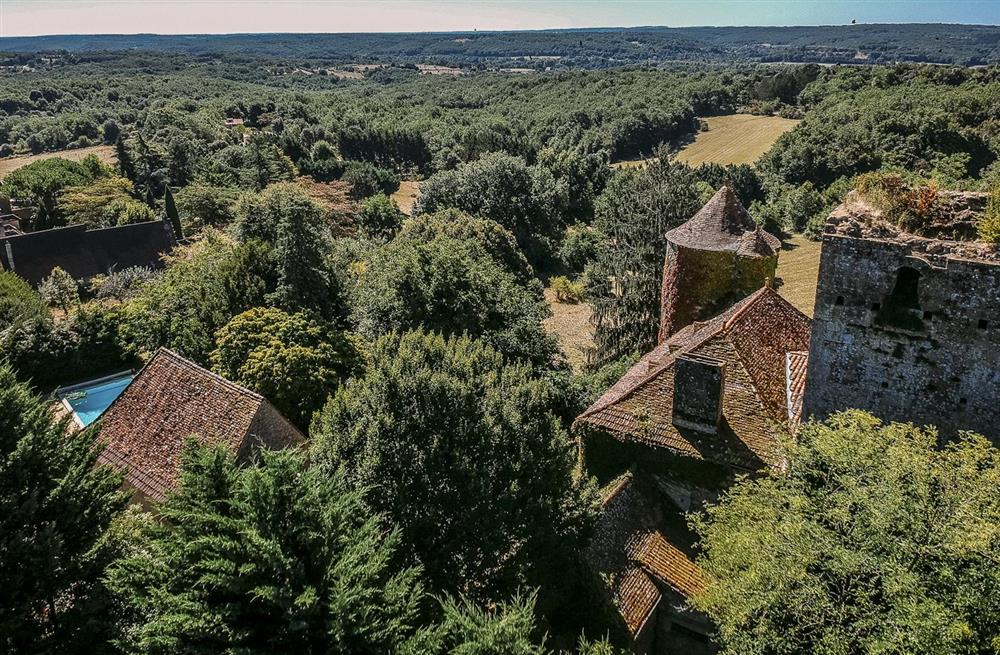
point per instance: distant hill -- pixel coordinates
(590, 48)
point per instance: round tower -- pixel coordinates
(717, 257)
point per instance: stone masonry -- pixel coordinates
(906, 327)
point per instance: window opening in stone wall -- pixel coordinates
(983, 324)
(839, 301)
(901, 309)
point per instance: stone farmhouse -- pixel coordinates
(171, 399)
(906, 327)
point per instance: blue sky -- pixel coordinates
(30, 17)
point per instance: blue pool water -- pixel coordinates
(90, 399)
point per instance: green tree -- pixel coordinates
(452, 285)
(635, 211)
(286, 218)
(39, 184)
(527, 200)
(204, 205)
(124, 157)
(19, 303)
(278, 557)
(56, 507)
(463, 454)
(202, 288)
(60, 290)
(291, 359)
(380, 217)
(467, 629)
(873, 540)
(101, 203)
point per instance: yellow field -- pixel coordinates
(735, 139)
(798, 266)
(104, 153)
(406, 195)
(571, 326)
(732, 139)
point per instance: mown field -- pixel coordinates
(731, 139)
(10, 164)
(735, 139)
(798, 267)
(570, 323)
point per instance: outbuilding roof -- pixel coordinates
(144, 430)
(641, 546)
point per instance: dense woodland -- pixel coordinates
(412, 352)
(965, 45)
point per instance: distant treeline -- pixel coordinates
(590, 48)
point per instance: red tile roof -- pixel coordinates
(170, 399)
(752, 338)
(638, 543)
(724, 224)
(796, 364)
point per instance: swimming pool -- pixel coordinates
(88, 400)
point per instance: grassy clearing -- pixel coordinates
(406, 195)
(570, 323)
(732, 139)
(104, 153)
(735, 139)
(798, 268)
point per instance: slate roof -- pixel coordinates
(752, 338)
(85, 253)
(170, 399)
(642, 546)
(724, 224)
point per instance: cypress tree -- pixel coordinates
(150, 200)
(56, 506)
(125, 164)
(172, 215)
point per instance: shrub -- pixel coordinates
(566, 290)
(909, 206)
(989, 224)
(580, 245)
(18, 301)
(380, 217)
(366, 180)
(60, 290)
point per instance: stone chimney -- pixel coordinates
(699, 385)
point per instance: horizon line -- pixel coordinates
(489, 31)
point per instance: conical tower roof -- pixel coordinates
(724, 224)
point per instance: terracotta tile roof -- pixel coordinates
(639, 542)
(170, 399)
(85, 253)
(752, 338)
(796, 364)
(724, 224)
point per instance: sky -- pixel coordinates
(33, 17)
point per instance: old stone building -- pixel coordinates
(908, 327)
(712, 401)
(717, 257)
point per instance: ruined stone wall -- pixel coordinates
(907, 337)
(698, 284)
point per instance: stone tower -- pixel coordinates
(908, 327)
(717, 257)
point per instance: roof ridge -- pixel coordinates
(162, 350)
(703, 336)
